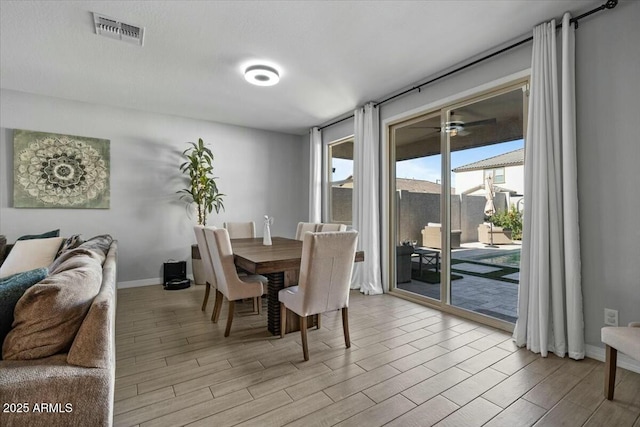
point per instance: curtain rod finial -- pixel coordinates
(610, 4)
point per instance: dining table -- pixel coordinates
(280, 264)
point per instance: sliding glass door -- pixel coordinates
(417, 198)
(457, 201)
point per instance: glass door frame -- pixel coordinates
(389, 214)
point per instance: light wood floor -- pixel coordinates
(408, 365)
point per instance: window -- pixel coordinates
(340, 181)
(497, 174)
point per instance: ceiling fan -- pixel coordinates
(456, 126)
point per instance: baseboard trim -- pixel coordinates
(139, 283)
(144, 282)
(624, 361)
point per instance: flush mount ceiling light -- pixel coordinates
(261, 75)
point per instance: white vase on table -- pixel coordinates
(266, 236)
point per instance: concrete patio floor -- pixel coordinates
(475, 291)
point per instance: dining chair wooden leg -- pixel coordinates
(207, 289)
(255, 304)
(232, 305)
(345, 326)
(283, 320)
(217, 306)
(303, 334)
(259, 305)
(318, 320)
(610, 371)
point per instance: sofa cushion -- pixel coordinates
(30, 254)
(47, 235)
(49, 314)
(11, 290)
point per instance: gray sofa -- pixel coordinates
(77, 386)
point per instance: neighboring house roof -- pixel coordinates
(418, 186)
(411, 185)
(512, 158)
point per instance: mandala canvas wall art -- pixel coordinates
(60, 171)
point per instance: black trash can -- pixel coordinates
(403, 263)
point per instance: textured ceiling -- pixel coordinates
(333, 55)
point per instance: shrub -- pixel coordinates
(511, 219)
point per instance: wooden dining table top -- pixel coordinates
(283, 255)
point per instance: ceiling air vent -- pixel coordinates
(114, 29)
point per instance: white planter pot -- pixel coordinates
(197, 266)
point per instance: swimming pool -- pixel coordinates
(508, 258)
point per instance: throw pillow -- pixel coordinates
(70, 243)
(30, 254)
(47, 235)
(3, 247)
(49, 314)
(96, 247)
(98, 243)
(73, 259)
(11, 290)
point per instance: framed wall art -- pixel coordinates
(60, 171)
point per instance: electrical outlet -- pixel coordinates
(610, 317)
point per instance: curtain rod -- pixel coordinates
(610, 4)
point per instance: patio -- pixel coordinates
(484, 280)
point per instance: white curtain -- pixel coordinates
(315, 175)
(550, 313)
(366, 207)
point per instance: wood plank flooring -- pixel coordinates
(408, 365)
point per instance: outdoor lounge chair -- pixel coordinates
(431, 237)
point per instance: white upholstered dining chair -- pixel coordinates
(325, 276)
(618, 338)
(210, 277)
(241, 230)
(229, 284)
(244, 230)
(331, 227)
(303, 227)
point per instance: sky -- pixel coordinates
(428, 168)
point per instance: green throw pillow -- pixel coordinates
(11, 290)
(47, 235)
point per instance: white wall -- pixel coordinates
(608, 112)
(259, 171)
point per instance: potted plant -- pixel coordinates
(202, 191)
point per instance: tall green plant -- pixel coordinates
(202, 190)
